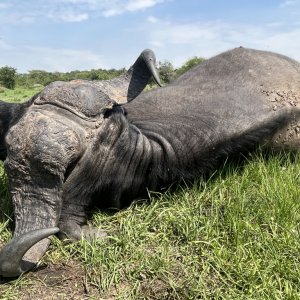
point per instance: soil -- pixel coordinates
(59, 281)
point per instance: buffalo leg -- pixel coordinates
(73, 221)
(36, 173)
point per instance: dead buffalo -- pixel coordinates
(74, 147)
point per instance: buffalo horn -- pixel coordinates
(150, 62)
(11, 263)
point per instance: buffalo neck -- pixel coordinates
(134, 158)
(122, 163)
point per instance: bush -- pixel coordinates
(8, 77)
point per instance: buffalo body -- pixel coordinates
(74, 148)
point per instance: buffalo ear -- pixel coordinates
(117, 108)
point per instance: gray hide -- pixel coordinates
(75, 148)
(121, 89)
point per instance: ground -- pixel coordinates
(59, 281)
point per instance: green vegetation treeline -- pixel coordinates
(10, 78)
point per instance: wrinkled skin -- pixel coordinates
(121, 89)
(74, 148)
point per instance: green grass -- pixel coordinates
(235, 236)
(19, 94)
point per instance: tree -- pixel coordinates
(39, 77)
(8, 77)
(93, 75)
(189, 64)
(166, 71)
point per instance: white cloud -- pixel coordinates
(4, 5)
(121, 7)
(69, 16)
(111, 12)
(152, 19)
(180, 42)
(135, 5)
(84, 2)
(191, 34)
(275, 24)
(289, 3)
(42, 58)
(287, 43)
(69, 10)
(174, 41)
(16, 18)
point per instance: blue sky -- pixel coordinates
(64, 35)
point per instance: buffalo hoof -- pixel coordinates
(91, 233)
(73, 232)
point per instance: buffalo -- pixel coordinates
(74, 146)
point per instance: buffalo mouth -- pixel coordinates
(11, 263)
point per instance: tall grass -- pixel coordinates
(234, 236)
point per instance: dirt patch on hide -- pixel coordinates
(282, 98)
(289, 136)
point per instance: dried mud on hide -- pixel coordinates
(282, 98)
(289, 136)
